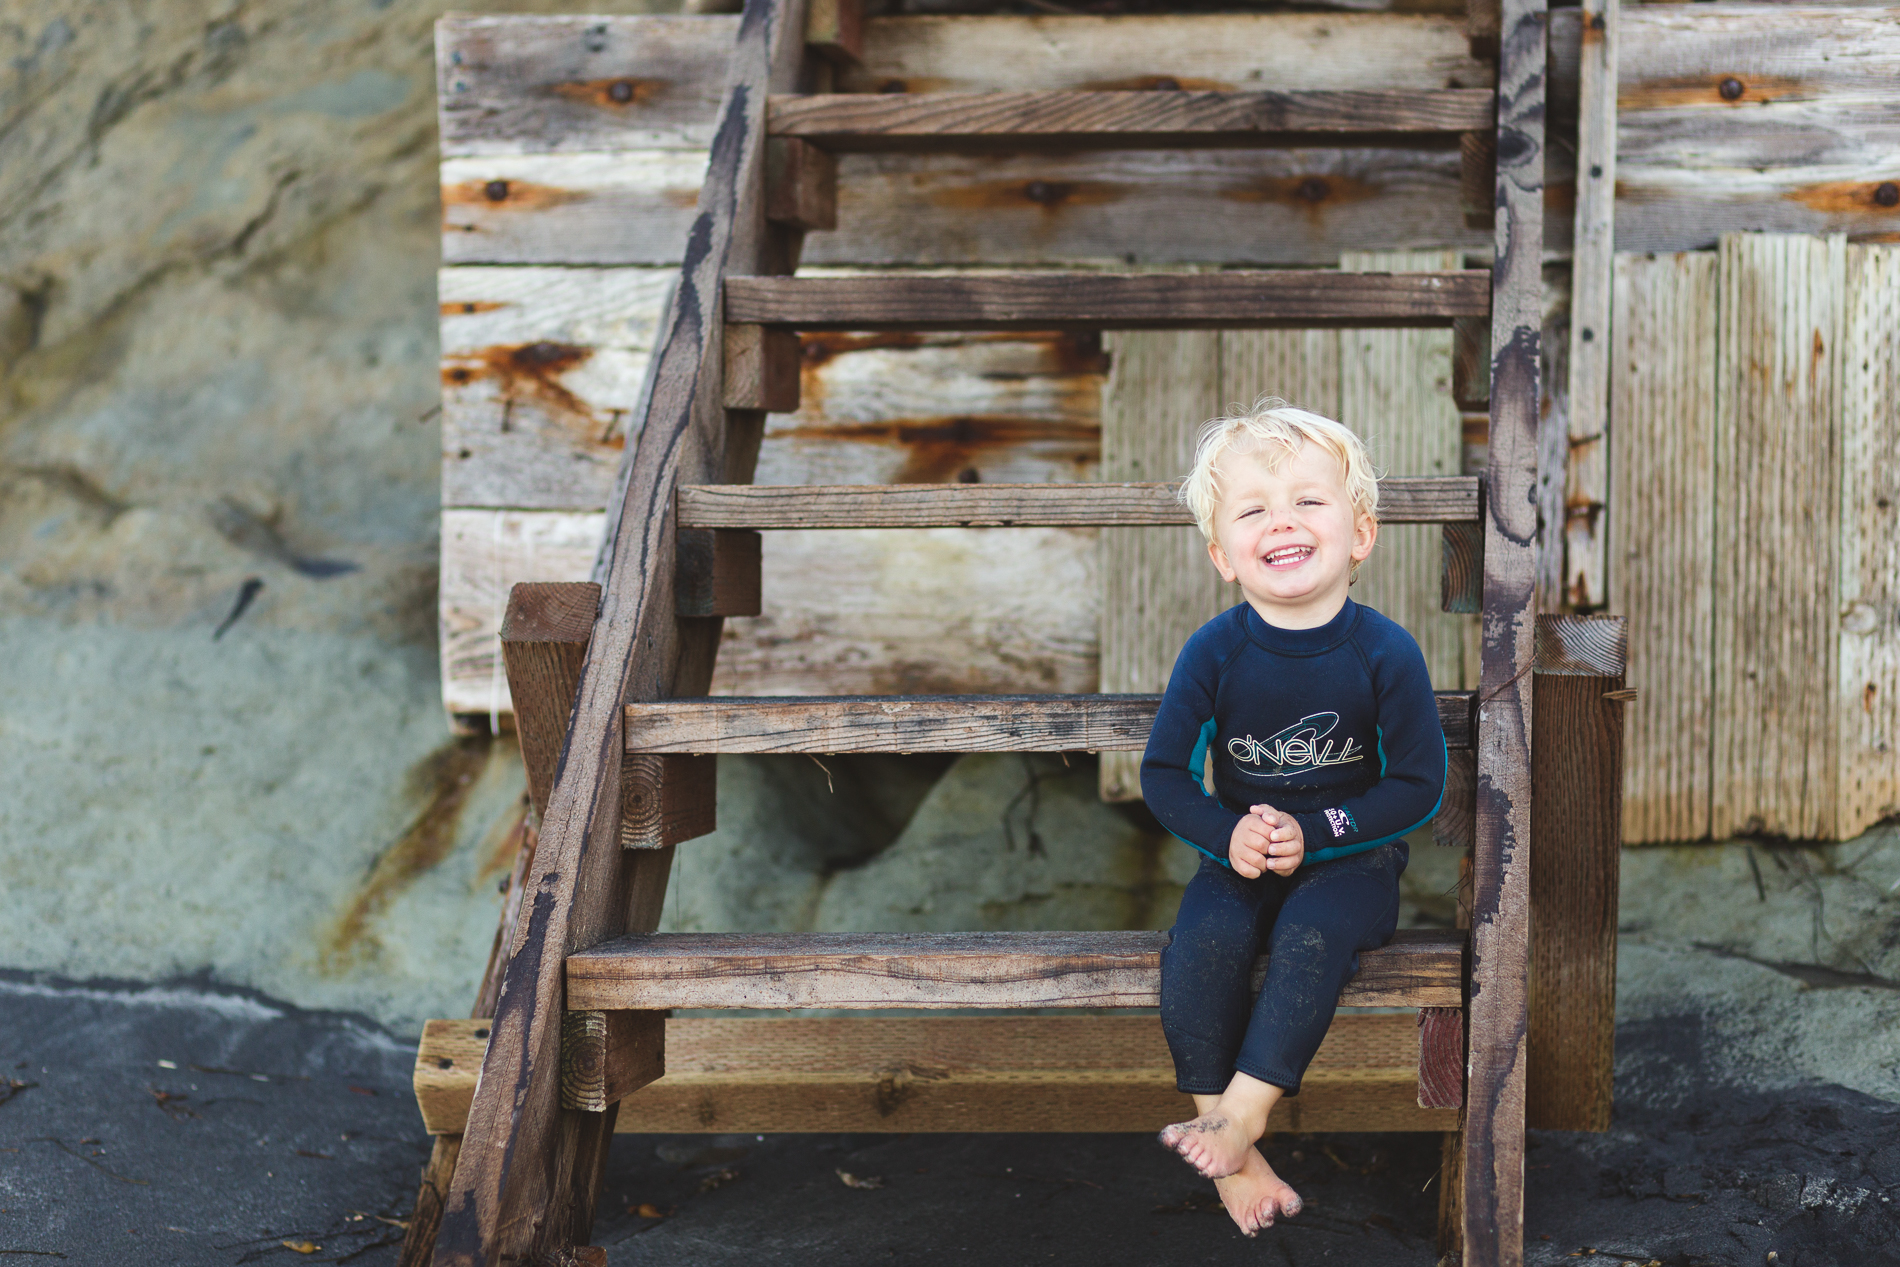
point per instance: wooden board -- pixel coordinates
(1867, 702)
(1777, 531)
(1420, 968)
(1593, 248)
(940, 1074)
(1804, 144)
(1395, 390)
(1493, 1164)
(1444, 499)
(1662, 534)
(1109, 301)
(922, 723)
(1119, 119)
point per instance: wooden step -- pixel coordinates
(1124, 120)
(1433, 499)
(965, 1073)
(1287, 299)
(923, 723)
(655, 971)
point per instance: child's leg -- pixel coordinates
(1206, 997)
(1327, 915)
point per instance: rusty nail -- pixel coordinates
(620, 90)
(1731, 88)
(1313, 189)
(1167, 83)
(1887, 194)
(495, 191)
(1041, 191)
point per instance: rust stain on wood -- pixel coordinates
(1720, 89)
(619, 94)
(942, 450)
(1050, 195)
(515, 195)
(1866, 197)
(527, 372)
(446, 777)
(469, 307)
(1156, 83)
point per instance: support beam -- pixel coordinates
(607, 1056)
(801, 184)
(1441, 1057)
(670, 799)
(544, 640)
(718, 572)
(1461, 579)
(1576, 842)
(761, 368)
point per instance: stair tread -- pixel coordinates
(1123, 119)
(923, 723)
(1286, 298)
(650, 971)
(1424, 499)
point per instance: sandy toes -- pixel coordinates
(1212, 1143)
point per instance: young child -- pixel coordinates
(1327, 750)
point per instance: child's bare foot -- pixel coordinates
(1255, 1196)
(1217, 1142)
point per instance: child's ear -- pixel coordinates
(1221, 564)
(1365, 532)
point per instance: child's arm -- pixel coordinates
(1172, 767)
(1411, 752)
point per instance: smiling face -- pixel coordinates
(1290, 536)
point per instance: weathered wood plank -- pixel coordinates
(543, 644)
(509, 83)
(529, 1170)
(963, 1073)
(1420, 968)
(954, 610)
(1441, 1058)
(631, 207)
(1158, 585)
(1593, 246)
(1755, 117)
(1777, 536)
(1430, 500)
(1662, 534)
(1493, 1172)
(925, 723)
(1119, 120)
(1395, 391)
(1577, 774)
(1867, 700)
(719, 573)
(1110, 301)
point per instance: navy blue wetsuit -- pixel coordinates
(1336, 726)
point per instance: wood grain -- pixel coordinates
(518, 82)
(1662, 535)
(1867, 699)
(527, 1178)
(718, 572)
(1577, 774)
(801, 184)
(1420, 968)
(544, 643)
(1109, 301)
(1158, 584)
(1431, 501)
(1593, 247)
(761, 368)
(1493, 1166)
(923, 723)
(607, 1056)
(1441, 1058)
(1395, 391)
(1119, 120)
(668, 800)
(1777, 533)
(963, 1073)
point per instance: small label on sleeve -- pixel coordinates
(1340, 821)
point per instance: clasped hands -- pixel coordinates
(1266, 840)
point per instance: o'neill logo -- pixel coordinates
(1300, 747)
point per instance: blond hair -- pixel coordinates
(1275, 430)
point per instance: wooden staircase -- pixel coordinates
(625, 774)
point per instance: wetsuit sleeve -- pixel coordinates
(1411, 753)
(1172, 766)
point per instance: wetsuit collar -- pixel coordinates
(1301, 642)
